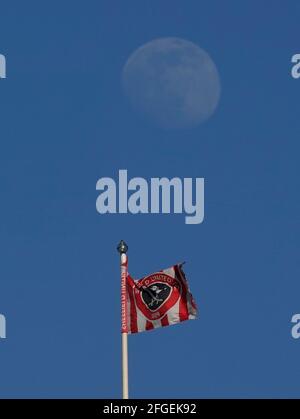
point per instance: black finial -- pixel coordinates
(122, 247)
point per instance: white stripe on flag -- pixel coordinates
(173, 315)
(170, 272)
(141, 321)
(156, 323)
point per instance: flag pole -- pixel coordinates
(122, 249)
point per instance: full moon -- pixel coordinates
(173, 82)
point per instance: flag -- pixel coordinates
(159, 300)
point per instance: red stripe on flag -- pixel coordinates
(165, 321)
(149, 325)
(183, 309)
(133, 315)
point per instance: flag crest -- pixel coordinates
(159, 300)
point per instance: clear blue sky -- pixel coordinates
(65, 123)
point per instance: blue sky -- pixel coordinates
(65, 123)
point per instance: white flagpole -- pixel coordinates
(122, 249)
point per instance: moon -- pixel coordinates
(173, 82)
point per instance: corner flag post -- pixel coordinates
(122, 249)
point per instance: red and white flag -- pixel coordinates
(158, 300)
